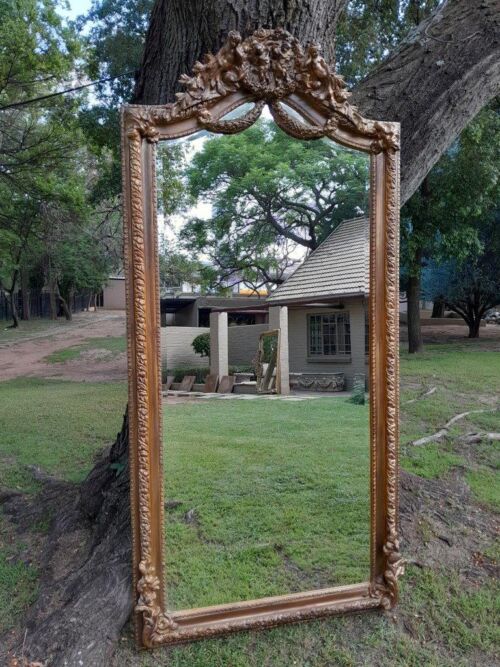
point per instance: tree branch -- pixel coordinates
(439, 78)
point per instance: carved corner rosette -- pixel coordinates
(140, 124)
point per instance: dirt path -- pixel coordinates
(25, 357)
(457, 334)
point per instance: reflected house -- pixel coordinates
(325, 302)
(193, 310)
(322, 313)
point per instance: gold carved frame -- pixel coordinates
(270, 67)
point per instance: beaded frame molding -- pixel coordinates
(268, 68)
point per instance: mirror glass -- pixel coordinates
(264, 263)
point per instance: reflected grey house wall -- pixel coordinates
(351, 365)
(177, 351)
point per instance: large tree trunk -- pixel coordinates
(415, 342)
(182, 31)
(444, 73)
(25, 295)
(439, 78)
(13, 300)
(438, 307)
(435, 83)
(85, 594)
(66, 304)
(53, 300)
(13, 309)
(474, 328)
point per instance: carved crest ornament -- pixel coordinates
(268, 68)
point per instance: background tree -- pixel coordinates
(270, 195)
(470, 287)
(443, 218)
(37, 143)
(176, 268)
(201, 345)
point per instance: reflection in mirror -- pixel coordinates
(266, 363)
(264, 264)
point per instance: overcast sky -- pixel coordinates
(77, 7)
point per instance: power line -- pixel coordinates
(63, 92)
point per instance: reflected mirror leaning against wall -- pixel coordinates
(261, 226)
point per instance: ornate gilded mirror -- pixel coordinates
(278, 503)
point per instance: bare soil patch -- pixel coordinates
(457, 333)
(26, 356)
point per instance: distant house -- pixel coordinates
(327, 304)
(193, 310)
(113, 293)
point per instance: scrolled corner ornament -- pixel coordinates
(385, 589)
(387, 137)
(394, 569)
(141, 125)
(157, 624)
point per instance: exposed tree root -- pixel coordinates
(443, 432)
(473, 438)
(429, 392)
(85, 595)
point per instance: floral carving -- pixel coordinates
(268, 66)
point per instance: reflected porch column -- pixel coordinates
(218, 344)
(278, 319)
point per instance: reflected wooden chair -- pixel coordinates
(168, 384)
(226, 384)
(211, 383)
(187, 383)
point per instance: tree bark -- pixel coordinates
(13, 300)
(415, 342)
(474, 328)
(85, 594)
(443, 74)
(434, 84)
(53, 301)
(66, 304)
(13, 309)
(182, 31)
(438, 307)
(25, 294)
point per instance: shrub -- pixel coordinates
(358, 390)
(201, 345)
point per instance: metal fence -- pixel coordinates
(39, 304)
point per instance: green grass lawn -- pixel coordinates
(236, 466)
(264, 498)
(466, 379)
(56, 425)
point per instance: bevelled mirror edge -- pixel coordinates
(322, 100)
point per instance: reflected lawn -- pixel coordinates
(264, 497)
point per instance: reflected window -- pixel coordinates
(329, 334)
